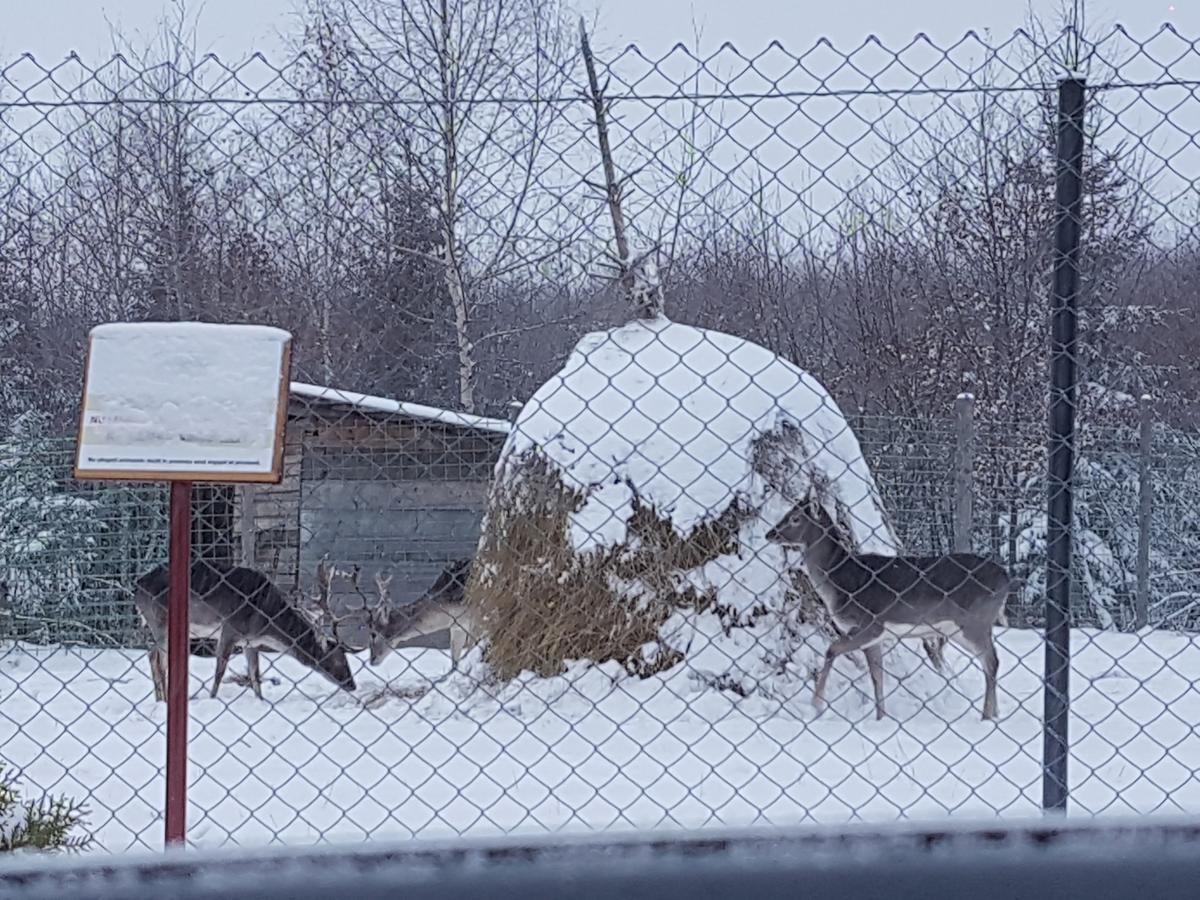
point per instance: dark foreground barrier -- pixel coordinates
(1003, 861)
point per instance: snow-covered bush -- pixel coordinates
(68, 552)
(47, 534)
(1106, 531)
(1175, 531)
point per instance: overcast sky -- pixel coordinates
(51, 29)
(1162, 121)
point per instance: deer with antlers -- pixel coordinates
(242, 607)
(438, 618)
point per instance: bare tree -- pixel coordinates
(462, 73)
(638, 277)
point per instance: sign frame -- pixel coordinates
(214, 476)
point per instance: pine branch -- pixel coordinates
(45, 824)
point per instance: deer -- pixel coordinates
(426, 621)
(242, 607)
(6, 610)
(870, 597)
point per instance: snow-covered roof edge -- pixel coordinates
(399, 407)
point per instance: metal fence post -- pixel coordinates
(1059, 536)
(1141, 614)
(964, 473)
(246, 523)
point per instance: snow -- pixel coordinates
(594, 749)
(182, 396)
(399, 407)
(671, 413)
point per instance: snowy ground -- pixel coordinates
(592, 750)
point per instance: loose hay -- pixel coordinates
(380, 696)
(540, 604)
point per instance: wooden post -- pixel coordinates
(1141, 615)
(246, 523)
(964, 473)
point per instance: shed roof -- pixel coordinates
(341, 397)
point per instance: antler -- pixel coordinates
(325, 575)
(324, 584)
(381, 585)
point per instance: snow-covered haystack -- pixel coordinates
(628, 515)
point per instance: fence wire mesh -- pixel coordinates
(547, 539)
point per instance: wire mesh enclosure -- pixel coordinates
(541, 561)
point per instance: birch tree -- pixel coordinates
(475, 83)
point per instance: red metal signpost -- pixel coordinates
(179, 563)
(128, 432)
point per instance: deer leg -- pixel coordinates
(981, 645)
(162, 673)
(253, 673)
(460, 641)
(858, 639)
(157, 675)
(152, 660)
(838, 631)
(991, 668)
(224, 651)
(933, 649)
(874, 655)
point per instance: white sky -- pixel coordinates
(50, 29)
(1164, 120)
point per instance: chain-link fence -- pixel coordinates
(560, 544)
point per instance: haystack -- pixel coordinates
(628, 514)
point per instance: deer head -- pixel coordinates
(379, 619)
(326, 626)
(799, 528)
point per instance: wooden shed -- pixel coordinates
(372, 482)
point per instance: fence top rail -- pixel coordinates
(986, 860)
(1024, 61)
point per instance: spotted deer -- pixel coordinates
(958, 596)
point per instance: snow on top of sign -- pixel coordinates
(399, 407)
(671, 413)
(167, 385)
(201, 332)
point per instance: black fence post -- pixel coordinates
(1059, 535)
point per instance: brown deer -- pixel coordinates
(241, 607)
(959, 596)
(437, 618)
